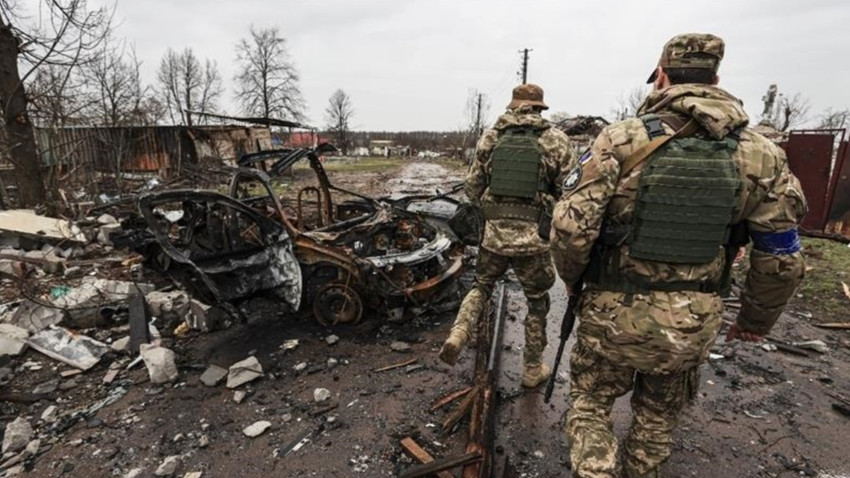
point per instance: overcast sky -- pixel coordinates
(408, 65)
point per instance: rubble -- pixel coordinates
(121, 345)
(84, 303)
(321, 395)
(111, 376)
(49, 414)
(816, 345)
(134, 473)
(22, 223)
(44, 388)
(331, 339)
(159, 362)
(36, 317)
(400, 346)
(239, 396)
(256, 429)
(290, 344)
(243, 372)
(168, 466)
(17, 435)
(213, 375)
(203, 317)
(13, 339)
(12, 269)
(106, 219)
(71, 348)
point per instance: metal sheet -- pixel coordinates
(810, 159)
(839, 211)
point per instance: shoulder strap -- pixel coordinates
(640, 154)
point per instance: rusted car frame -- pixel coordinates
(358, 253)
(221, 250)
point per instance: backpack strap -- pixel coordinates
(640, 154)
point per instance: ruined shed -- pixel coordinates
(165, 150)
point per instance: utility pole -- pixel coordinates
(524, 67)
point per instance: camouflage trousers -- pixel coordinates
(657, 401)
(536, 274)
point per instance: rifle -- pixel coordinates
(567, 324)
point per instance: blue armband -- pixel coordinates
(778, 243)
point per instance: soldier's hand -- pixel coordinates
(736, 332)
(569, 290)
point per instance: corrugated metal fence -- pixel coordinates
(819, 158)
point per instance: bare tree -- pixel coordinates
(65, 33)
(114, 87)
(791, 111)
(629, 104)
(187, 85)
(151, 110)
(835, 119)
(55, 98)
(268, 82)
(338, 116)
(475, 117)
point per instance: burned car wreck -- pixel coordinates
(321, 250)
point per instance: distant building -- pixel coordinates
(299, 139)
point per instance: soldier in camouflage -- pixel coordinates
(514, 179)
(648, 321)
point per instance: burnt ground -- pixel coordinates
(759, 413)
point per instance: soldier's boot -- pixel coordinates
(453, 345)
(535, 374)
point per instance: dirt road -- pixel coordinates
(759, 414)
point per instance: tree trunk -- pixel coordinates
(29, 172)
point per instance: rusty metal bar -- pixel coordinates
(481, 425)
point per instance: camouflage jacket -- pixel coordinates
(513, 237)
(662, 332)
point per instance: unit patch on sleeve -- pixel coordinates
(572, 179)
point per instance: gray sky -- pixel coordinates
(408, 65)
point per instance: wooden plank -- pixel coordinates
(461, 410)
(395, 366)
(442, 464)
(450, 398)
(413, 450)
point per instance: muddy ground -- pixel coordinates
(759, 413)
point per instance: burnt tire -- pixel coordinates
(337, 303)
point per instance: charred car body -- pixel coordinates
(310, 249)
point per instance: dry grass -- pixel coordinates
(828, 264)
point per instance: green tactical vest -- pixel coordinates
(685, 201)
(516, 162)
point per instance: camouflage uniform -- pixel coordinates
(652, 343)
(511, 242)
